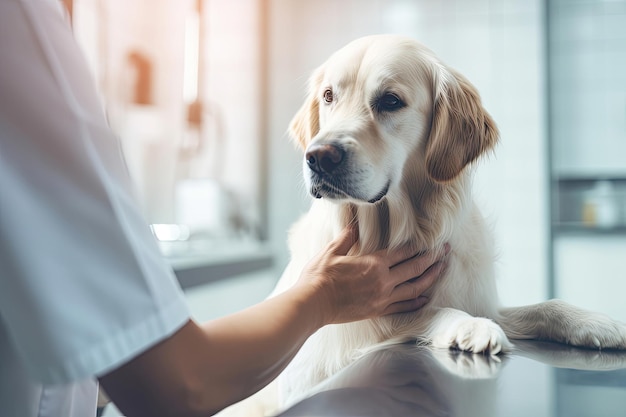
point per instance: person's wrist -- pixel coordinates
(314, 302)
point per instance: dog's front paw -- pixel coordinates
(598, 332)
(474, 334)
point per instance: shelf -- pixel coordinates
(573, 179)
(580, 202)
(583, 230)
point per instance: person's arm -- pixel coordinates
(204, 368)
(98, 291)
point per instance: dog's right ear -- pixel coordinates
(306, 123)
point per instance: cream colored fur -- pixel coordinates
(424, 151)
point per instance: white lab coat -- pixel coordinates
(83, 286)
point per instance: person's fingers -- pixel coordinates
(406, 306)
(416, 266)
(346, 239)
(399, 255)
(414, 289)
(405, 253)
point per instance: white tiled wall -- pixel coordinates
(498, 45)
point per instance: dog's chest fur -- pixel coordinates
(398, 220)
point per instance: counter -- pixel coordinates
(205, 261)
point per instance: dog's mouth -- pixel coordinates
(381, 194)
(325, 189)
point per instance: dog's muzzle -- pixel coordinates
(325, 161)
(330, 175)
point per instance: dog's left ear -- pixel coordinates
(461, 128)
(306, 123)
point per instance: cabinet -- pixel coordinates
(587, 120)
(590, 271)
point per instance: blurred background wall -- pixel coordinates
(202, 93)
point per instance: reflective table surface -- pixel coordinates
(537, 380)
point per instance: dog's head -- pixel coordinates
(378, 104)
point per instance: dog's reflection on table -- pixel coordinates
(407, 380)
(403, 380)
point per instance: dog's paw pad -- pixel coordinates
(479, 335)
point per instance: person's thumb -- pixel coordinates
(346, 239)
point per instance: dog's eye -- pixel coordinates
(328, 96)
(388, 102)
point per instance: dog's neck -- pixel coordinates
(422, 214)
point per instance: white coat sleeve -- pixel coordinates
(83, 286)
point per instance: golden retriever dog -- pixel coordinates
(390, 137)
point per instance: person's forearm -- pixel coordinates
(203, 368)
(250, 348)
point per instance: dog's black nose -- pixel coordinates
(324, 158)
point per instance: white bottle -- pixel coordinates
(605, 207)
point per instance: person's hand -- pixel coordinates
(352, 288)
